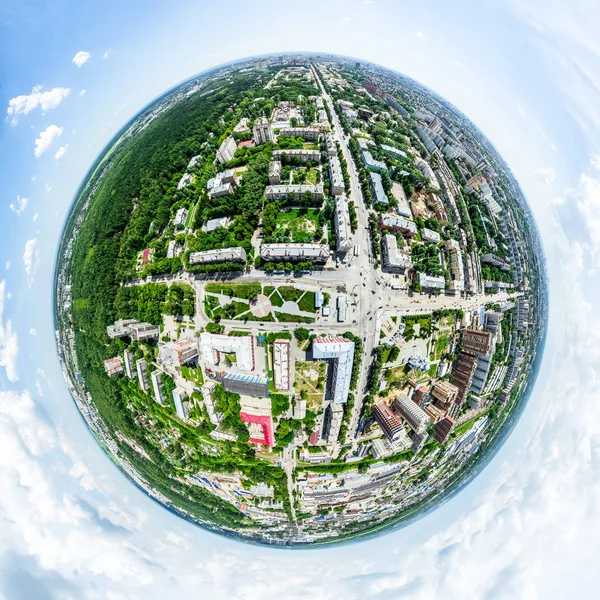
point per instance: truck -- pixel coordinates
(356, 250)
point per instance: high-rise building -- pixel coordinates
(475, 341)
(414, 415)
(142, 372)
(128, 356)
(390, 423)
(179, 396)
(226, 150)
(263, 131)
(158, 385)
(341, 351)
(442, 429)
(462, 375)
(444, 393)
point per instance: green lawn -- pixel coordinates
(303, 223)
(235, 290)
(290, 293)
(307, 302)
(276, 299)
(285, 318)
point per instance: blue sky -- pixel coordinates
(525, 72)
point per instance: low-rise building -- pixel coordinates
(492, 259)
(428, 235)
(226, 150)
(431, 282)
(213, 224)
(397, 223)
(342, 308)
(331, 145)
(379, 195)
(394, 258)
(372, 164)
(176, 354)
(214, 346)
(310, 134)
(113, 366)
(300, 155)
(282, 367)
(274, 172)
(343, 229)
(247, 385)
(133, 329)
(237, 254)
(294, 192)
(295, 252)
(394, 152)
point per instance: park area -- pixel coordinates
(301, 223)
(257, 302)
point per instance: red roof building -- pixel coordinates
(261, 428)
(248, 143)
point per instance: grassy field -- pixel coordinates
(290, 293)
(307, 302)
(234, 290)
(285, 318)
(276, 299)
(310, 377)
(303, 223)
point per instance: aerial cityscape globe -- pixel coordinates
(300, 299)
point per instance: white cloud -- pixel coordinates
(35, 217)
(82, 92)
(588, 204)
(48, 187)
(346, 19)
(420, 35)
(24, 104)
(30, 259)
(20, 206)
(33, 332)
(81, 58)
(9, 345)
(7, 265)
(61, 152)
(546, 175)
(107, 53)
(595, 161)
(46, 139)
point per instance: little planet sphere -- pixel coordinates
(300, 299)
